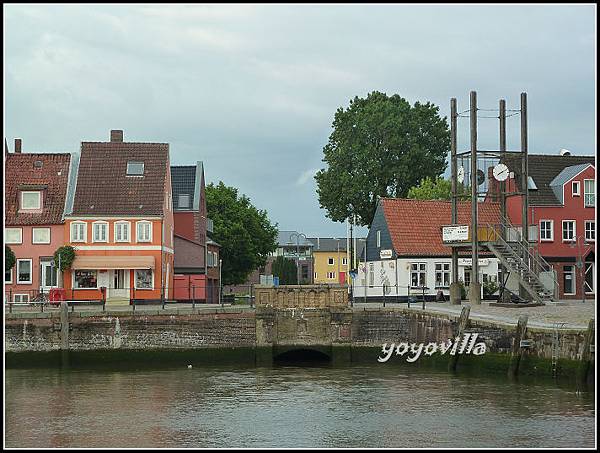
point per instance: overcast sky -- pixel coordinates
(251, 90)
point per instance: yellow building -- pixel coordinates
(331, 260)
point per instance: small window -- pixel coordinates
(78, 231)
(8, 276)
(144, 231)
(21, 298)
(24, 271)
(122, 232)
(575, 187)
(378, 238)
(589, 193)
(531, 183)
(85, 279)
(184, 201)
(330, 261)
(316, 276)
(38, 164)
(568, 230)
(344, 261)
(590, 230)
(143, 279)
(31, 200)
(417, 274)
(330, 275)
(13, 235)
(100, 232)
(546, 230)
(41, 236)
(135, 168)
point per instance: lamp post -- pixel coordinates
(365, 250)
(580, 263)
(297, 236)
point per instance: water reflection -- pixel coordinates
(289, 406)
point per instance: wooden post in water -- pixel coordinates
(64, 333)
(586, 355)
(462, 325)
(517, 352)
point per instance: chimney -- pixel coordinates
(17, 145)
(116, 136)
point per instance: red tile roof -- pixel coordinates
(415, 226)
(103, 187)
(51, 178)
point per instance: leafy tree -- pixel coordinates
(245, 233)
(9, 258)
(380, 147)
(67, 256)
(436, 189)
(286, 270)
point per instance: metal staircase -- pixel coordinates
(519, 257)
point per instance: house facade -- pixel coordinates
(404, 250)
(562, 211)
(196, 255)
(331, 259)
(34, 199)
(290, 244)
(119, 219)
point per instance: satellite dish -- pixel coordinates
(565, 152)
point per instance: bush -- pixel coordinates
(9, 258)
(489, 288)
(67, 256)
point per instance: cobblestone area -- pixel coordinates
(574, 314)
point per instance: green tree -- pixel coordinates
(436, 189)
(380, 147)
(9, 258)
(245, 233)
(66, 253)
(286, 270)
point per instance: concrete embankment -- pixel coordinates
(181, 336)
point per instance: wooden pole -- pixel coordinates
(462, 325)
(517, 351)
(453, 165)
(474, 291)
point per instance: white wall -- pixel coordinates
(396, 275)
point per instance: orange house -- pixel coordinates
(119, 219)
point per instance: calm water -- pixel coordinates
(291, 406)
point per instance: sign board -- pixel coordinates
(385, 254)
(469, 261)
(454, 233)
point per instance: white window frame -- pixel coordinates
(15, 229)
(589, 194)
(574, 230)
(73, 238)
(591, 230)
(344, 261)
(585, 285)
(135, 162)
(573, 191)
(330, 261)
(33, 230)
(137, 230)
(442, 271)
(82, 289)
(189, 201)
(574, 280)
(551, 238)
(128, 229)
(21, 298)
(378, 238)
(30, 281)
(38, 193)
(331, 275)
(135, 279)
(106, 231)
(316, 276)
(9, 282)
(419, 272)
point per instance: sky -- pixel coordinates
(251, 90)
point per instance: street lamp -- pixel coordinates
(580, 263)
(297, 235)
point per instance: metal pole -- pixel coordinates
(366, 269)
(524, 184)
(474, 197)
(220, 282)
(502, 187)
(453, 167)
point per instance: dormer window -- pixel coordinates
(135, 168)
(184, 201)
(31, 200)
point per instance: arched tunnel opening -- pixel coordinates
(304, 357)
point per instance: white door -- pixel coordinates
(119, 286)
(104, 280)
(49, 275)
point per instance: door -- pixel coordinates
(119, 286)
(49, 275)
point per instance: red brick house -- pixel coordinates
(34, 201)
(562, 208)
(196, 255)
